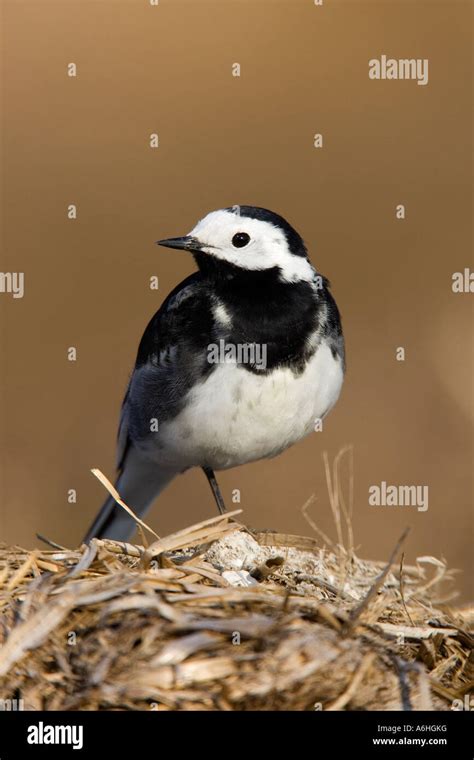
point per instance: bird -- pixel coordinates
(240, 362)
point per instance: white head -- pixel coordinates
(251, 239)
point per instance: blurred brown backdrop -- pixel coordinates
(226, 140)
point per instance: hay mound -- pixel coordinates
(217, 617)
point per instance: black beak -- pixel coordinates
(186, 243)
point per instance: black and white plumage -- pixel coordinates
(255, 286)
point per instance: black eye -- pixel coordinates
(240, 239)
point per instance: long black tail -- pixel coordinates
(139, 484)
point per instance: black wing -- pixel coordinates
(171, 357)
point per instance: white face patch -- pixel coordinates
(267, 247)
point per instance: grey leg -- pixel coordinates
(215, 489)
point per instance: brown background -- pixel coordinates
(225, 140)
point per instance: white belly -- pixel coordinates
(236, 416)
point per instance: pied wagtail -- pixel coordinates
(255, 288)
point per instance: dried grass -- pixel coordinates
(184, 624)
